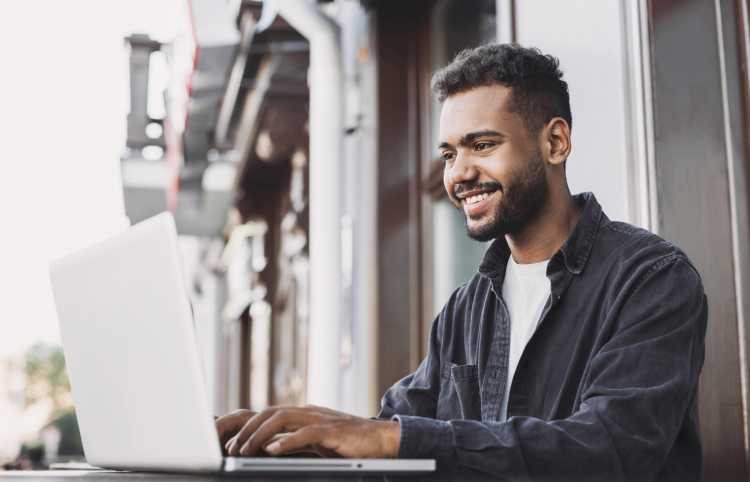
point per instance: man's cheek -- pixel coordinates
(448, 186)
(449, 192)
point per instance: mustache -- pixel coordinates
(471, 186)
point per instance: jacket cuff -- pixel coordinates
(423, 437)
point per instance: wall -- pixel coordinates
(588, 39)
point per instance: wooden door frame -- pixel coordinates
(402, 42)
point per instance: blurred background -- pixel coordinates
(295, 142)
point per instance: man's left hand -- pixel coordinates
(284, 430)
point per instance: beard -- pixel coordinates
(523, 198)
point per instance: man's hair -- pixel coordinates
(538, 92)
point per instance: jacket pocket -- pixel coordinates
(459, 393)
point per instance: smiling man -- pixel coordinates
(573, 353)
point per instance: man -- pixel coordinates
(575, 350)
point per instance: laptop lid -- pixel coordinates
(131, 353)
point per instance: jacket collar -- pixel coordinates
(573, 254)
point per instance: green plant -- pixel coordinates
(46, 378)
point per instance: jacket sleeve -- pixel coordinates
(640, 387)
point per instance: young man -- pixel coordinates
(575, 350)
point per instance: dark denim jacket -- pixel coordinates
(606, 388)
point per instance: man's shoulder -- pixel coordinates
(625, 246)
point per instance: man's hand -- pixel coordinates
(284, 430)
(228, 425)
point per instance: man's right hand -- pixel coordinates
(228, 425)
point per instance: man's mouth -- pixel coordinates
(477, 204)
(475, 199)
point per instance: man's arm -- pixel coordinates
(288, 429)
(639, 390)
(279, 430)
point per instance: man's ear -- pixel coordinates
(555, 140)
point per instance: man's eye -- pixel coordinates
(447, 156)
(479, 146)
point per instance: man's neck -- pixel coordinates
(541, 239)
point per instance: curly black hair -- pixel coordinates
(538, 92)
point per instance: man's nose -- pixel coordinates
(462, 170)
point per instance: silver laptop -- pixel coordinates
(134, 366)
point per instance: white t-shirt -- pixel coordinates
(525, 291)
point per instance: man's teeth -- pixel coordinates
(477, 198)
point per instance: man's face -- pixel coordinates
(494, 170)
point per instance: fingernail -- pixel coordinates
(273, 447)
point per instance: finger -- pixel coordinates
(250, 426)
(303, 438)
(311, 451)
(228, 446)
(228, 425)
(276, 437)
(274, 425)
(281, 421)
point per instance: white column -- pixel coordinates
(326, 130)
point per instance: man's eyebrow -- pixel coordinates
(470, 137)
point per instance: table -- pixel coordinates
(114, 476)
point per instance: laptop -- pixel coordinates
(134, 366)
